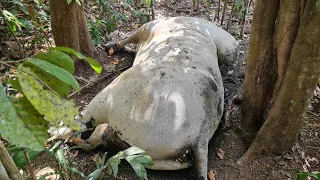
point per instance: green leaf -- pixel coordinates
(58, 58)
(56, 84)
(77, 171)
(132, 151)
(20, 159)
(69, 1)
(12, 127)
(95, 174)
(93, 63)
(78, 2)
(23, 9)
(15, 84)
(31, 118)
(138, 167)
(61, 158)
(144, 159)
(55, 71)
(113, 164)
(50, 105)
(123, 16)
(302, 176)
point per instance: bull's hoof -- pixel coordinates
(112, 45)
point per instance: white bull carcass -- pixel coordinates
(171, 100)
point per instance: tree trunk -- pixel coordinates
(69, 27)
(8, 163)
(195, 5)
(281, 129)
(260, 73)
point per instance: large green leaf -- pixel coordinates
(20, 159)
(138, 168)
(50, 105)
(93, 63)
(57, 85)
(31, 118)
(56, 71)
(12, 127)
(58, 58)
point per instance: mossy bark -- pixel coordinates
(260, 67)
(300, 77)
(69, 27)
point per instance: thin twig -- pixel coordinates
(219, 8)
(26, 155)
(225, 5)
(1, 62)
(93, 82)
(231, 14)
(22, 51)
(17, 61)
(152, 10)
(244, 18)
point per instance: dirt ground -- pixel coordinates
(226, 143)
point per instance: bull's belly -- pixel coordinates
(160, 144)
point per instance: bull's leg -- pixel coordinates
(117, 46)
(201, 158)
(105, 135)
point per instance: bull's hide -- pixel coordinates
(171, 100)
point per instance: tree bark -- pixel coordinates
(260, 73)
(69, 27)
(286, 32)
(281, 129)
(8, 163)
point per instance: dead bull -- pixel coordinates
(171, 100)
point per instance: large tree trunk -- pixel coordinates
(260, 69)
(69, 26)
(300, 76)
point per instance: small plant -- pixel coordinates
(42, 84)
(305, 175)
(133, 155)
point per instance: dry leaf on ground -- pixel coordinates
(212, 175)
(111, 51)
(220, 153)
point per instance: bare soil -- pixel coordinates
(304, 155)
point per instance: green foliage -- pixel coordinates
(25, 118)
(305, 175)
(133, 155)
(19, 157)
(92, 62)
(12, 126)
(109, 16)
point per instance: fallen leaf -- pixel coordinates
(76, 153)
(115, 62)
(212, 175)
(315, 125)
(220, 153)
(95, 157)
(111, 51)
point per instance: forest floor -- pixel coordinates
(226, 147)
